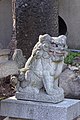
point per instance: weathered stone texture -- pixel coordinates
(19, 58)
(66, 110)
(35, 17)
(38, 81)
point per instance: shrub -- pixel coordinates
(69, 59)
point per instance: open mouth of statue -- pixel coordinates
(59, 53)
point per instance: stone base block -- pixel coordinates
(41, 97)
(7, 118)
(69, 109)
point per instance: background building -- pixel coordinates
(5, 22)
(69, 10)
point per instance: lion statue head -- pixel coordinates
(53, 47)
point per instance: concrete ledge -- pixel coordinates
(66, 110)
(4, 52)
(7, 118)
(8, 68)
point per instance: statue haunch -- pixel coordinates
(44, 66)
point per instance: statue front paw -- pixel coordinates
(29, 90)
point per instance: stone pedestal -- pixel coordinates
(7, 118)
(69, 109)
(33, 19)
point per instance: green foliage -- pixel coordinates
(69, 59)
(1, 98)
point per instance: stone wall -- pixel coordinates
(35, 17)
(69, 10)
(5, 22)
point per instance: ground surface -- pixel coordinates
(6, 88)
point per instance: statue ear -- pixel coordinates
(62, 38)
(40, 37)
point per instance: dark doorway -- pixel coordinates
(62, 26)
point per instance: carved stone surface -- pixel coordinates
(39, 79)
(35, 18)
(19, 58)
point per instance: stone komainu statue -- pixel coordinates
(44, 66)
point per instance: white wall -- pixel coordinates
(69, 10)
(5, 22)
